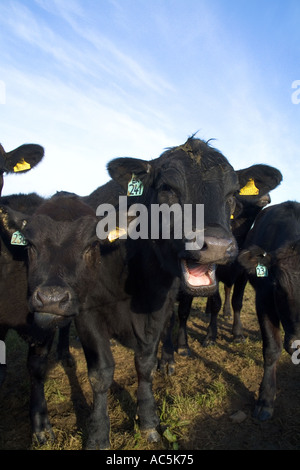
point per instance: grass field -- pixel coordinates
(195, 404)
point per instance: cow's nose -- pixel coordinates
(218, 250)
(54, 300)
(214, 245)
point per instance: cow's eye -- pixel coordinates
(167, 194)
(32, 251)
(166, 187)
(91, 248)
(91, 255)
(231, 202)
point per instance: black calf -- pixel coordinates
(272, 259)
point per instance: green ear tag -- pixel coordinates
(18, 239)
(135, 186)
(261, 270)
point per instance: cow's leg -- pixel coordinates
(272, 346)
(214, 303)
(100, 365)
(184, 308)
(237, 304)
(63, 346)
(3, 369)
(37, 362)
(101, 378)
(227, 306)
(167, 361)
(145, 363)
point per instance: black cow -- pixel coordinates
(255, 184)
(15, 314)
(23, 158)
(272, 260)
(124, 289)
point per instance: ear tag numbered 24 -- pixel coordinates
(135, 186)
(261, 270)
(18, 239)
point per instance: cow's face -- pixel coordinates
(287, 274)
(22, 159)
(63, 250)
(255, 184)
(192, 174)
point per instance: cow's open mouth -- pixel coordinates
(198, 278)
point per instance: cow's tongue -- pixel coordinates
(198, 274)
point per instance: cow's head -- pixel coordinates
(62, 245)
(255, 182)
(19, 160)
(191, 174)
(271, 258)
(282, 267)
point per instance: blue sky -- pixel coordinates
(92, 80)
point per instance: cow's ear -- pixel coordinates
(288, 255)
(23, 158)
(132, 174)
(258, 180)
(253, 256)
(11, 225)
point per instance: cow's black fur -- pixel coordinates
(274, 242)
(125, 290)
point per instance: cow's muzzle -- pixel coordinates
(52, 306)
(198, 266)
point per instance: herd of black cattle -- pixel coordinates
(126, 288)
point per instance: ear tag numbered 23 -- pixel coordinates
(261, 270)
(18, 239)
(135, 186)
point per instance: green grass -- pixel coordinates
(194, 405)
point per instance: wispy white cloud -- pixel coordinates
(66, 9)
(88, 52)
(74, 127)
(103, 52)
(84, 107)
(89, 95)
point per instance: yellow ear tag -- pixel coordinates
(115, 234)
(232, 217)
(22, 166)
(249, 189)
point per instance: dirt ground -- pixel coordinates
(195, 404)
